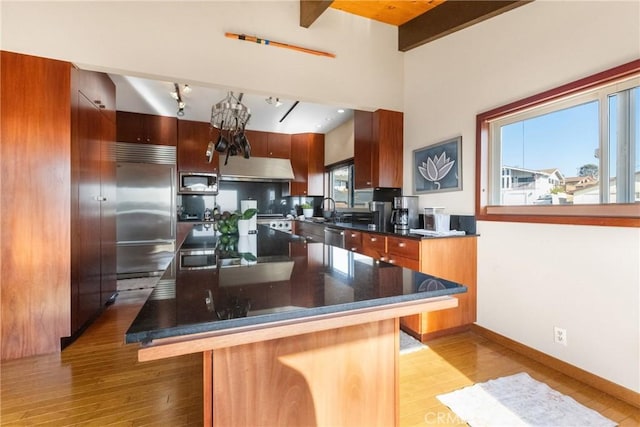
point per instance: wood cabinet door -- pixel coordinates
(362, 149)
(299, 163)
(387, 161)
(315, 164)
(193, 139)
(279, 145)
(160, 130)
(108, 264)
(258, 142)
(353, 240)
(86, 295)
(129, 127)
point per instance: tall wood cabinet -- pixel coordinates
(58, 247)
(93, 199)
(378, 144)
(35, 271)
(307, 164)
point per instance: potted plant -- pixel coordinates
(244, 220)
(307, 210)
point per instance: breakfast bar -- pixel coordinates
(291, 332)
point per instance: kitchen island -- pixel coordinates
(291, 332)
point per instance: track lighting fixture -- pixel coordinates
(276, 103)
(178, 97)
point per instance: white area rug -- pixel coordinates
(519, 400)
(409, 344)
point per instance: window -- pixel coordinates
(576, 148)
(341, 187)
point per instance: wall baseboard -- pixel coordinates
(613, 389)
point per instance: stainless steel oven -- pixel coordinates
(276, 222)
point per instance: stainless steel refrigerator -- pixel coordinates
(145, 218)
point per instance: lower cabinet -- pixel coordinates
(452, 259)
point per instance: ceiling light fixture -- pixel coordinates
(275, 103)
(176, 95)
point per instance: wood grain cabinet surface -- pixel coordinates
(452, 259)
(269, 144)
(308, 164)
(146, 128)
(193, 139)
(378, 145)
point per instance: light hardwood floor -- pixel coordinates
(97, 381)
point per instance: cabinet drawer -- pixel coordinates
(401, 261)
(353, 240)
(407, 248)
(374, 243)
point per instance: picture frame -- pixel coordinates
(438, 168)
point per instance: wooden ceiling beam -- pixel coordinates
(449, 17)
(310, 10)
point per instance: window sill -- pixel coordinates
(616, 215)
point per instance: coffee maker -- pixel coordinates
(405, 214)
(381, 206)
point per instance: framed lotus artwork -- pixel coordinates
(438, 167)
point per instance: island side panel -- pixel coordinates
(346, 376)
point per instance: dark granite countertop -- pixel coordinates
(220, 282)
(365, 227)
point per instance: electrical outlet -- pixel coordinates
(560, 335)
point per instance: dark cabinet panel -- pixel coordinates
(258, 142)
(193, 139)
(308, 164)
(146, 128)
(378, 145)
(279, 145)
(93, 216)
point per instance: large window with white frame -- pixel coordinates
(573, 151)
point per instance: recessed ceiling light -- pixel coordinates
(340, 111)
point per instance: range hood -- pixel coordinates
(256, 169)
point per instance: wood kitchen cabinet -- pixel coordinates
(309, 230)
(270, 144)
(55, 154)
(36, 258)
(146, 128)
(193, 139)
(93, 201)
(307, 164)
(353, 240)
(378, 145)
(452, 259)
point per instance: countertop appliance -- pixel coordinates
(381, 215)
(145, 209)
(405, 214)
(198, 183)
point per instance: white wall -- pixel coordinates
(185, 41)
(338, 144)
(588, 280)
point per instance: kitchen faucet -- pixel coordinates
(330, 213)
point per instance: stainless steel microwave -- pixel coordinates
(198, 183)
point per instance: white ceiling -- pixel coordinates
(139, 95)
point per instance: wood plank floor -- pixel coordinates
(98, 382)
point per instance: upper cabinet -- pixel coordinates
(378, 149)
(307, 164)
(269, 144)
(146, 128)
(193, 139)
